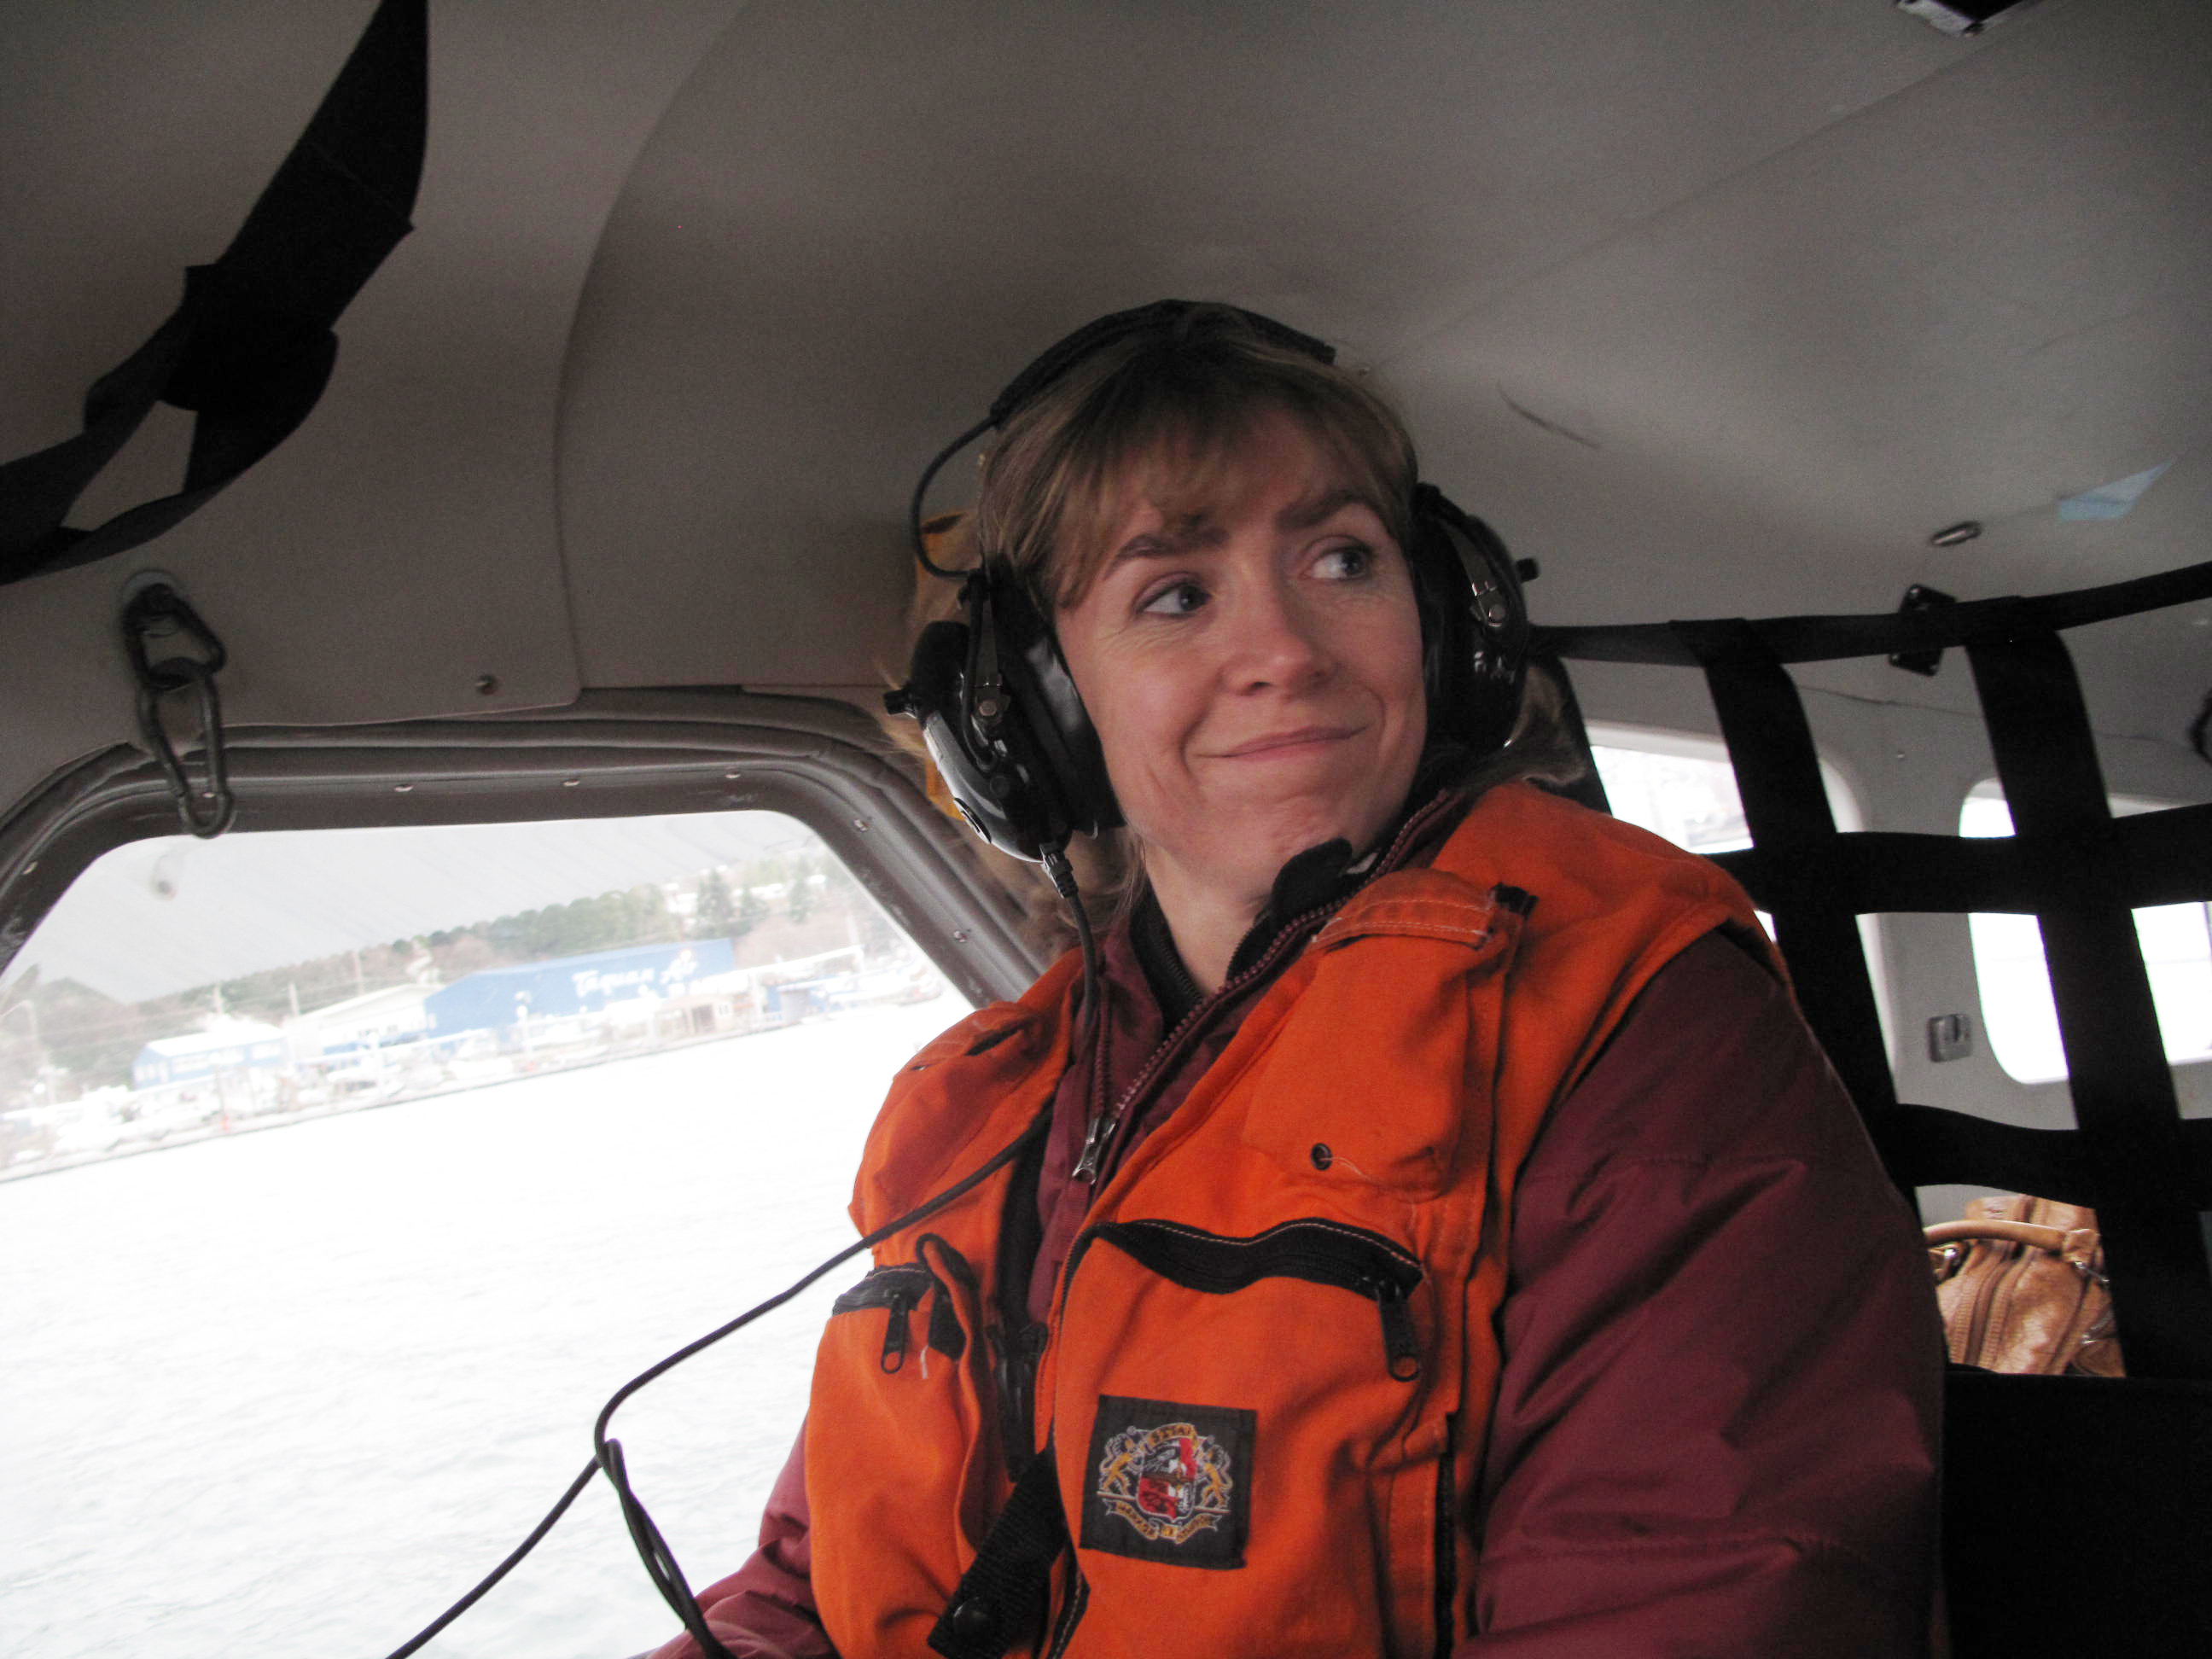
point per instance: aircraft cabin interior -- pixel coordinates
(440, 442)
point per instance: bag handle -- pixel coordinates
(2076, 1246)
(2052, 1239)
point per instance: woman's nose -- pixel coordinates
(1276, 643)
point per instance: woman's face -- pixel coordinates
(1254, 675)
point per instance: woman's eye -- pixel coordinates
(1343, 564)
(1177, 599)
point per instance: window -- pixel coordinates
(1683, 787)
(2017, 1008)
(542, 1103)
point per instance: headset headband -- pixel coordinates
(1064, 353)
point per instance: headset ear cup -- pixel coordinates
(935, 695)
(1073, 765)
(1002, 721)
(1474, 624)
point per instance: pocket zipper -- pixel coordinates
(900, 1288)
(1317, 1251)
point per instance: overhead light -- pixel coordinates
(1956, 535)
(1961, 17)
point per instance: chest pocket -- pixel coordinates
(1382, 1073)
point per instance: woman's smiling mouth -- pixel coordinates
(1282, 744)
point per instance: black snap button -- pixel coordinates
(1323, 1157)
(974, 1617)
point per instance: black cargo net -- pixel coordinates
(2132, 1157)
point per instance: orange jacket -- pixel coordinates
(1273, 1346)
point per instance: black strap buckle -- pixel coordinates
(1004, 1597)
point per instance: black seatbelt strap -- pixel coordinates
(251, 348)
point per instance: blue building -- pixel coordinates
(573, 985)
(238, 1045)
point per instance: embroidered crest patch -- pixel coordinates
(1169, 1482)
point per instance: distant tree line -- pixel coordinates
(94, 1039)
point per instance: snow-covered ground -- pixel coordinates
(292, 1392)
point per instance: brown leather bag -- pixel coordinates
(2021, 1285)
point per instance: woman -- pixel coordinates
(1440, 1235)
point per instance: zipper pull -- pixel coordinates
(895, 1337)
(1094, 1145)
(1402, 1347)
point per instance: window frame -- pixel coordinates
(610, 754)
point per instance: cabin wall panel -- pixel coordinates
(403, 544)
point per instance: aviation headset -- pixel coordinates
(999, 711)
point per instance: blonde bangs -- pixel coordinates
(1173, 429)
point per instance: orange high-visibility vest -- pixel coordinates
(1273, 1345)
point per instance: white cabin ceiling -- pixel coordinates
(1714, 309)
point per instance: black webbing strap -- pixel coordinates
(2167, 857)
(2167, 854)
(251, 348)
(1785, 805)
(1003, 1595)
(1941, 1146)
(1822, 639)
(2146, 1172)
(2123, 1090)
(1893, 870)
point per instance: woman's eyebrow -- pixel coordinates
(1318, 509)
(1165, 543)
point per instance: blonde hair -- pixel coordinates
(1167, 416)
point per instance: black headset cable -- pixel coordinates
(660, 1565)
(921, 489)
(1063, 881)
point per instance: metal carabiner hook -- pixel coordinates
(158, 608)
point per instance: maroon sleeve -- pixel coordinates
(1716, 1426)
(765, 1609)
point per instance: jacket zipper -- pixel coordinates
(1101, 1138)
(1319, 1252)
(1445, 1583)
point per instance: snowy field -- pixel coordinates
(292, 1392)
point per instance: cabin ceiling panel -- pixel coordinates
(403, 541)
(1981, 297)
(858, 220)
